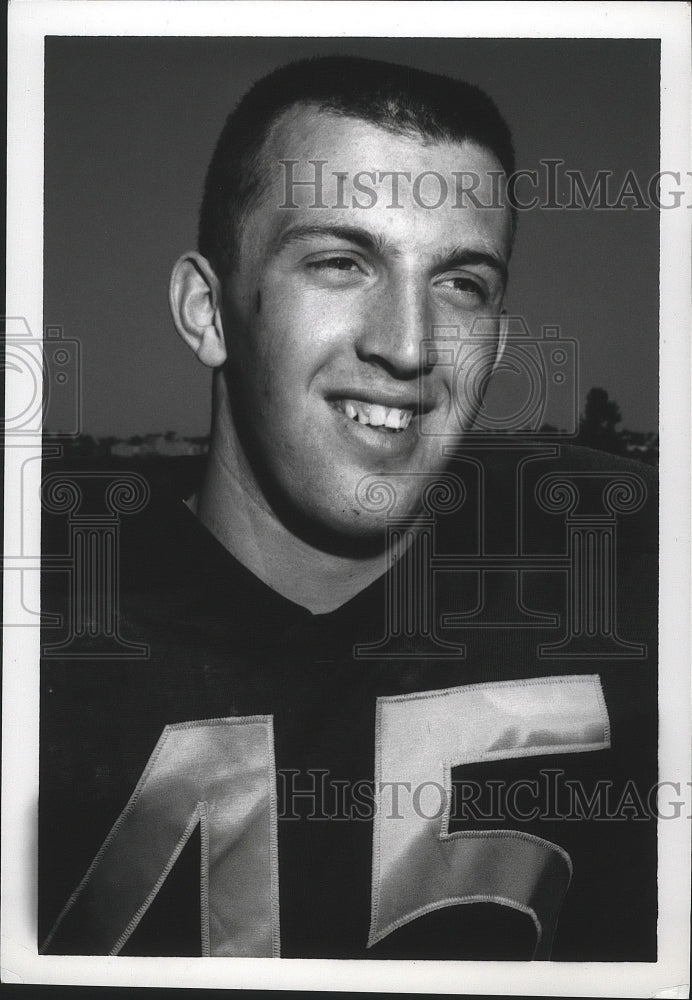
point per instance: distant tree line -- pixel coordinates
(136, 446)
(598, 428)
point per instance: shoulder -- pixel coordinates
(579, 459)
(617, 486)
(567, 458)
(527, 482)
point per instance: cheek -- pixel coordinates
(279, 386)
(291, 350)
(312, 318)
(474, 369)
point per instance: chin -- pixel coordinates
(343, 527)
(351, 531)
(359, 523)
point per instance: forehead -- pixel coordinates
(308, 131)
(344, 153)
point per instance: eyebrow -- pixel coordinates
(465, 256)
(457, 256)
(352, 234)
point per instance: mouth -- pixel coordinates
(385, 419)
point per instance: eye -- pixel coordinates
(335, 270)
(464, 289)
(333, 263)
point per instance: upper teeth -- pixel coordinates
(377, 416)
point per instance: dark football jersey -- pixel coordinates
(458, 763)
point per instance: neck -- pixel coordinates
(232, 508)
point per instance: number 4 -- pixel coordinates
(219, 773)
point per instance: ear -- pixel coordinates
(502, 339)
(194, 296)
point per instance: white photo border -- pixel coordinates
(29, 23)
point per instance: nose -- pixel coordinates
(396, 322)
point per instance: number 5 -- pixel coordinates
(418, 866)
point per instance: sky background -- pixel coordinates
(130, 125)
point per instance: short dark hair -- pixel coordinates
(395, 97)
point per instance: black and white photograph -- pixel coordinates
(346, 566)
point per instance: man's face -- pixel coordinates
(326, 313)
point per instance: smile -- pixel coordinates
(385, 418)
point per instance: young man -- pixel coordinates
(312, 299)
(344, 627)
